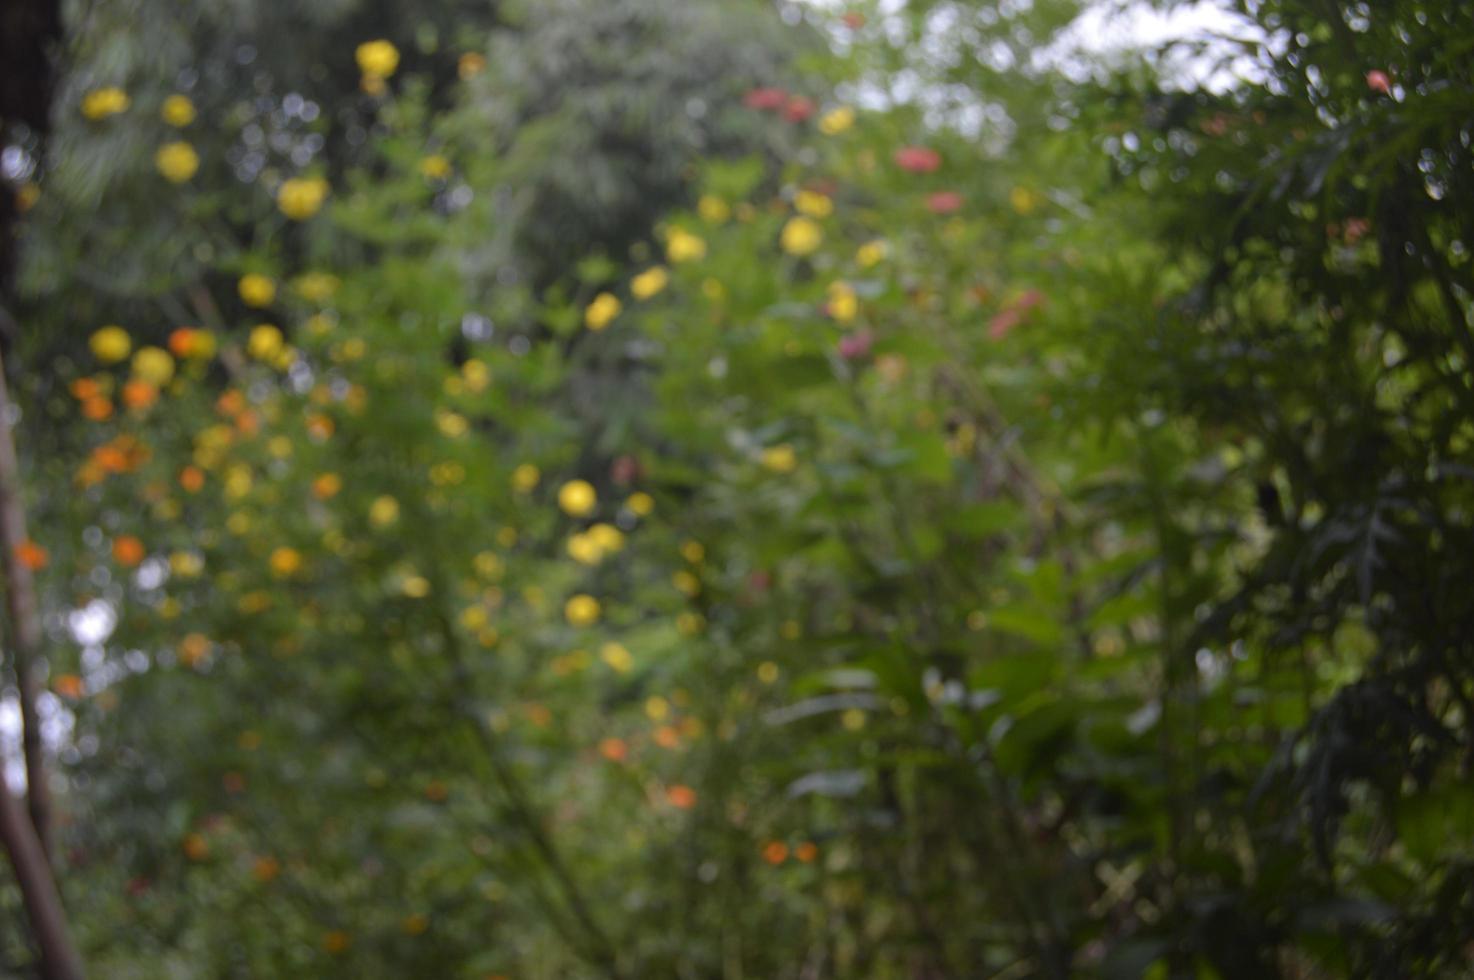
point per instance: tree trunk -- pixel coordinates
(59, 959)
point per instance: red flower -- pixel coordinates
(944, 202)
(765, 98)
(918, 159)
(854, 21)
(798, 109)
(1378, 81)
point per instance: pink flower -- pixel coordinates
(1378, 81)
(853, 346)
(918, 159)
(765, 98)
(1013, 314)
(944, 202)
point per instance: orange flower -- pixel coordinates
(265, 869)
(196, 848)
(68, 686)
(230, 403)
(128, 550)
(667, 737)
(319, 427)
(327, 486)
(436, 791)
(248, 423)
(614, 749)
(775, 852)
(139, 394)
(85, 388)
(31, 555)
(97, 409)
(806, 852)
(192, 478)
(681, 797)
(335, 941)
(192, 648)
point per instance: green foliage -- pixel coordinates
(673, 543)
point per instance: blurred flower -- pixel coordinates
(326, 486)
(1378, 81)
(681, 797)
(128, 550)
(602, 311)
(765, 98)
(775, 852)
(31, 555)
(110, 344)
(801, 236)
(153, 365)
(377, 58)
(577, 498)
(177, 110)
(682, 246)
(435, 167)
(944, 202)
(871, 253)
(265, 342)
(843, 305)
(581, 610)
(854, 346)
(1024, 201)
(139, 395)
(617, 658)
(470, 65)
(614, 749)
(301, 197)
(525, 477)
(836, 121)
(316, 287)
(177, 161)
(640, 504)
(103, 102)
(256, 289)
(384, 511)
(918, 159)
(813, 204)
(191, 342)
(649, 283)
(780, 459)
(713, 209)
(798, 108)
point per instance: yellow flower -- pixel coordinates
(608, 537)
(316, 287)
(177, 110)
(153, 365)
(256, 289)
(525, 477)
(416, 586)
(617, 657)
(713, 209)
(110, 344)
(103, 102)
(686, 583)
(583, 549)
(435, 167)
(801, 236)
(649, 283)
(693, 551)
(1023, 200)
(682, 246)
(265, 342)
(871, 253)
(475, 375)
(373, 85)
(640, 503)
(377, 58)
(301, 197)
(452, 424)
(836, 121)
(813, 204)
(577, 498)
(581, 610)
(177, 161)
(843, 304)
(470, 65)
(780, 459)
(186, 564)
(383, 511)
(285, 562)
(601, 311)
